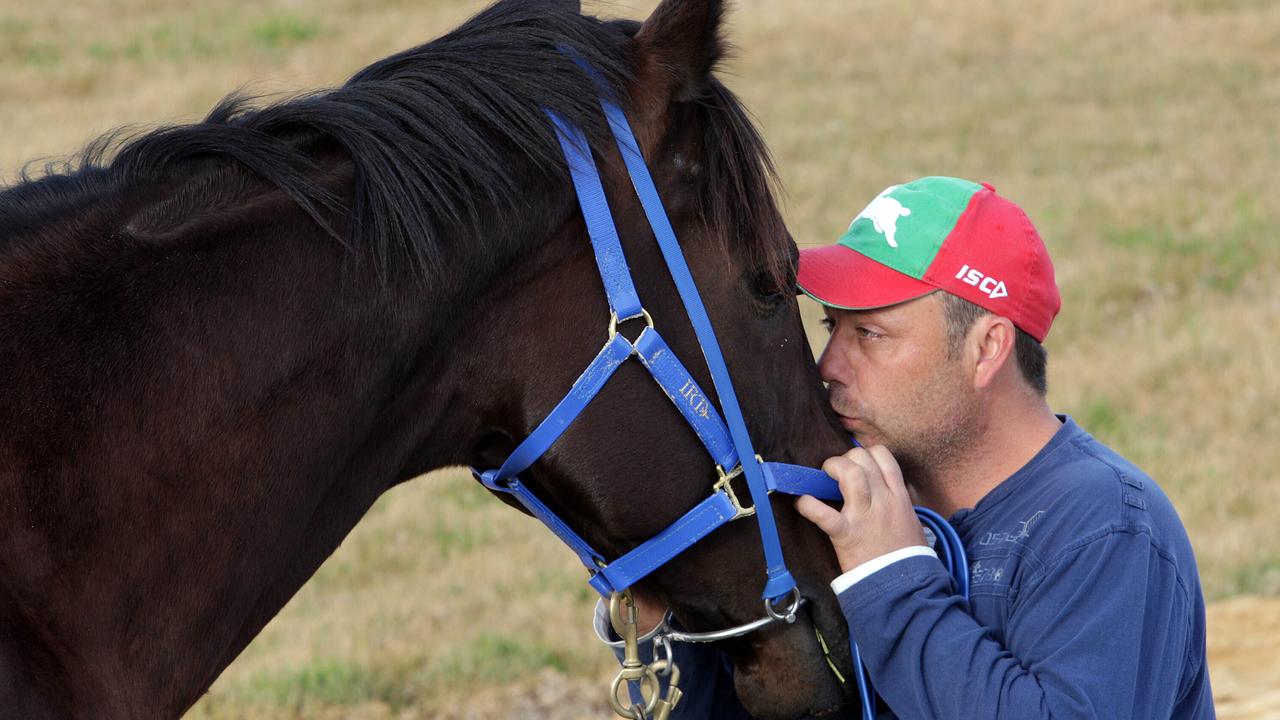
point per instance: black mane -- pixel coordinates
(430, 132)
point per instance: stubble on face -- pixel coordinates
(927, 418)
(936, 429)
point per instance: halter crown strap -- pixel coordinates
(623, 300)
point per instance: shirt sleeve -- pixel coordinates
(1101, 632)
(874, 565)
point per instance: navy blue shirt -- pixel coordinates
(1085, 602)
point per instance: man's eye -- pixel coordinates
(829, 324)
(868, 333)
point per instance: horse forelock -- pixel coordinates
(738, 197)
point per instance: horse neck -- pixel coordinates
(193, 426)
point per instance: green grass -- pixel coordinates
(326, 681)
(202, 36)
(492, 658)
(405, 681)
(1191, 256)
(1258, 576)
(1102, 418)
(285, 30)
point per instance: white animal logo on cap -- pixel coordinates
(883, 212)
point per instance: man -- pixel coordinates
(1085, 599)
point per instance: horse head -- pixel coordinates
(629, 465)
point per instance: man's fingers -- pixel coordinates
(827, 518)
(870, 468)
(852, 480)
(890, 471)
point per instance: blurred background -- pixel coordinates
(1141, 136)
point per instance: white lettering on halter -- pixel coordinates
(698, 403)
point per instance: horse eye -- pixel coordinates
(768, 289)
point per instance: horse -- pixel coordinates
(222, 341)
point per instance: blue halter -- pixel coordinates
(727, 442)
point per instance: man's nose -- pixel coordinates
(829, 366)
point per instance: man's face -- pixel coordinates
(892, 383)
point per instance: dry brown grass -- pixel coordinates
(1140, 135)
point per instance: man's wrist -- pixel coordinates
(863, 570)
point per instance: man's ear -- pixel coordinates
(994, 337)
(675, 51)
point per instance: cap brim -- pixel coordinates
(842, 278)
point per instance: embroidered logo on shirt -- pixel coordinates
(1023, 531)
(978, 573)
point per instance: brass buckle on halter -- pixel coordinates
(724, 484)
(613, 321)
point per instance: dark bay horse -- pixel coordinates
(221, 342)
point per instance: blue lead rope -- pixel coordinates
(947, 544)
(951, 552)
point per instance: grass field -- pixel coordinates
(1141, 136)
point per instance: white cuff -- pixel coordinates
(851, 578)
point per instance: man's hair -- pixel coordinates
(960, 314)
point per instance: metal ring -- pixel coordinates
(788, 615)
(613, 321)
(661, 649)
(649, 678)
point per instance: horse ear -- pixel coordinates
(676, 49)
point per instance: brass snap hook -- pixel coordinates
(624, 616)
(649, 688)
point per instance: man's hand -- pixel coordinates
(877, 516)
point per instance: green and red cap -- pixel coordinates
(938, 233)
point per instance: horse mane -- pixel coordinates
(430, 132)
